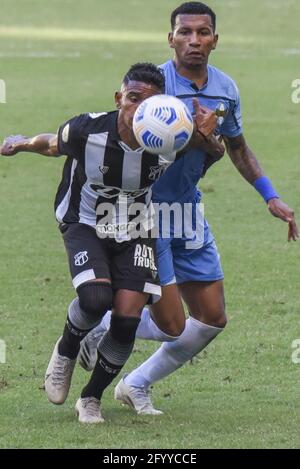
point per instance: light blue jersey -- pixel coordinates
(179, 181)
(196, 257)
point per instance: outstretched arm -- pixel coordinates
(246, 163)
(44, 144)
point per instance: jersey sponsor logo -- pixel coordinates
(109, 192)
(65, 133)
(81, 258)
(144, 257)
(103, 169)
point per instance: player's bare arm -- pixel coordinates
(44, 144)
(246, 163)
(243, 158)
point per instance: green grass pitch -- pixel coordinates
(61, 58)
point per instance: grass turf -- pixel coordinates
(62, 58)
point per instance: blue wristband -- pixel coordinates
(264, 186)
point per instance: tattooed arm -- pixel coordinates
(246, 163)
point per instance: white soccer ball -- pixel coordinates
(162, 124)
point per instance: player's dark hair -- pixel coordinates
(193, 8)
(147, 73)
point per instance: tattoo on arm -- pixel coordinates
(243, 158)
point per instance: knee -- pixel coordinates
(95, 298)
(215, 318)
(174, 328)
(221, 320)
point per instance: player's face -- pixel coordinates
(131, 96)
(193, 39)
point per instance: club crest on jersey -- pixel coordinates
(156, 172)
(81, 258)
(221, 113)
(103, 169)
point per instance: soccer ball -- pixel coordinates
(162, 124)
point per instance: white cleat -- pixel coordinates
(88, 353)
(137, 398)
(88, 410)
(58, 376)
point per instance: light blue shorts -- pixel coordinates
(179, 263)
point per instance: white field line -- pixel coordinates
(80, 34)
(39, 55)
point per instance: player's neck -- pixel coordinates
(197, 74)
(127, 135)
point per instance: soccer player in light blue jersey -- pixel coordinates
(191, 265)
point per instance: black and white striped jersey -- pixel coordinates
(101, 168)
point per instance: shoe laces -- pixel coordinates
(91, 406)
(61, 370)
(143, 395)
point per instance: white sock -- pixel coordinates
(170, 356)
(147, 328)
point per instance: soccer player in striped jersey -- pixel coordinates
(193, 263)
(105, 167)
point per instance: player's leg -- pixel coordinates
(91, 279)
(201, 273)
(133, 272)
(163, 322)
(168, 311)
(205, 301)
(203, 293)
(168, 314)
(114, 350)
